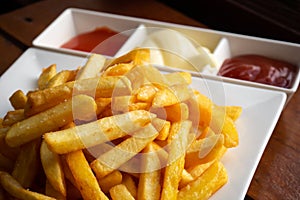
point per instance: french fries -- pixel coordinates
(115, 129)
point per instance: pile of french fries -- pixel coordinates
(114, 129)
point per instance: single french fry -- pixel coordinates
(162, 153)
(206, 185)
(53, 169)
(51, 192)
(62, 77)
(163, 127)
(118, 69)
(146, 93)
(46, 75)
(177, 78)
(149, 182)
(233, 112)
(120, 192)
(146, 75)
(50, 120)
(168, 96)
(176, 159)
(110, 180)
(204, 150)
(136, 56)
(123, 152)
(42, 100)
(205, 109)
(84, 177)
(94, 133)
(27, 163)
(177, 112)
(15, 189)
(221, 123)
(13, 117)
(92, 67)
(129, 182)
(197, 170)
(231, 136)
(186, 178)
(18, 99)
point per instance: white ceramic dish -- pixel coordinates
(222, 44)
(261, 110)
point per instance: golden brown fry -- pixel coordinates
(233, 112)
(15, 189)
(50, 120)
(94, 133)
(177, 112)
(136, 56)
(205, 109)
(120, 192)
(149, 186)
(124, 151)
(129, 182)
(46, 75)
(186, 178)
(118, 69)
(163, 127)
(177, 78)
(168, 96)
(53, 169)
(173, 171)
(27, 163)
(146, 93)
(110, 180)
(206, 185)
(42, 100)
(18, 99)
(62, 77)
(221, 123)
(84, 177)
(92, 67)
(13, 117)
(204, 150)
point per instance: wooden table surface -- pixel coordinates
(278, 173)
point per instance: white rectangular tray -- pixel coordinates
(261, 111)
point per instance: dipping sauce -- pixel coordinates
(259, 69)
(102, 40)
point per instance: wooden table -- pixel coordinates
(278, 173)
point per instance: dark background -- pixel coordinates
(274, 19)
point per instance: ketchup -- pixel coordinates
(99, 41)
(259, 69)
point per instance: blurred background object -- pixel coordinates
(9, 5)
(274, 19)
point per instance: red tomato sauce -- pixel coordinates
(259, 69)
(102, 40)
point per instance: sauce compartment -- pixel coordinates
(74, 22)
(217, 44)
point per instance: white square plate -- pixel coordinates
(261, 110)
